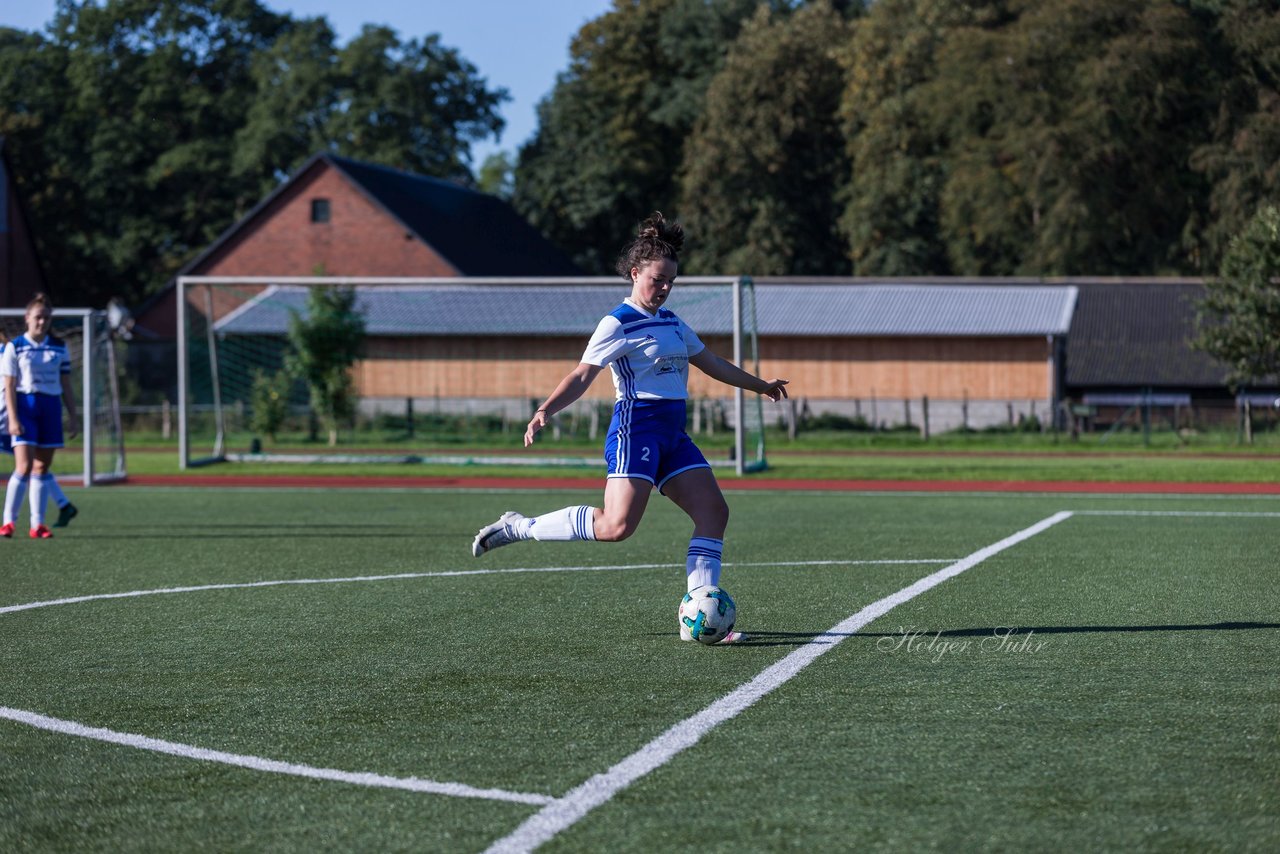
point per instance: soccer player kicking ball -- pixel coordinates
(648, 349)
(36, 372)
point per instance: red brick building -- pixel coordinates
(21, 276)
(342, 217)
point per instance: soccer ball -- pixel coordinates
(707, 613)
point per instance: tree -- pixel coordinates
(496, 175)
(763, 167)
(287, 119)
(140, 130)
(415, 105)
(1240, 156)
(269, 402)
(1239, 318)
(891, 205)
(610, 136)
(323, 346)
(1068, 130)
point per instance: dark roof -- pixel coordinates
(479, 234)
(1138, 335)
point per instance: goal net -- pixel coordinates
(449, 370)
(95, 382)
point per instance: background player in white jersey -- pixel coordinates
(66, 510)
(648, 350)
(36, 372)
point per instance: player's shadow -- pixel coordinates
(765, 638)
(768, 638)
(755, 638)
(1068, 630)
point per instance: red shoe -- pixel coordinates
(6, 530)
(40, 532)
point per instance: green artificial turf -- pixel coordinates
(1131, 706)
(886, 464)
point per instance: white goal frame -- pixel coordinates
(93, 326)
(745, 342)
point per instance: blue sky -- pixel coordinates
(517, 44)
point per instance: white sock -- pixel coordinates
(37, 501)
(569, 523)
(703, 563)
(13, 496)
(54, 491)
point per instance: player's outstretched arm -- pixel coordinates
(730, 374)
(572, 387)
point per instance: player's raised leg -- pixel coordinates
(624, 504)
(625, 500)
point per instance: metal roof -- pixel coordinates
(782, 310)
(914, 310)
(416, 310)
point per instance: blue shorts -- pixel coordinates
(41, 419)
(6, 442)
(647, 440)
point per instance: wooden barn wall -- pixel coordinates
(942, 368)
(836, 368)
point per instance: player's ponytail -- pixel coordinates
(656, 239)
(40, 300)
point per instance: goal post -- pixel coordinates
(749, 414)
(89, 340)
(461, 351)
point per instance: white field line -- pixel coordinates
(843, 562)
(72, 600)
(567, 810)
(1244, 514)
(257, 763)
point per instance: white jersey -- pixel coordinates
(38, 368)
(647, 353)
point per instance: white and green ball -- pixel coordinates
(708, 613)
